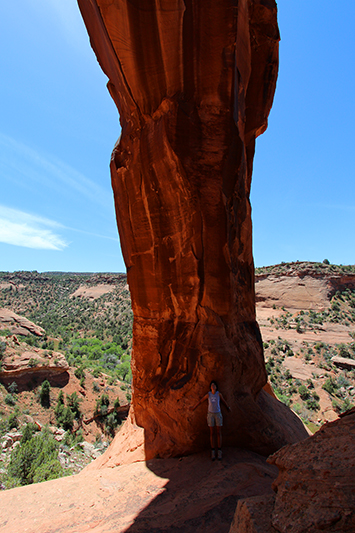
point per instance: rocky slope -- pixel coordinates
(306, 314)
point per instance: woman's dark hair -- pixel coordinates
(215, 382)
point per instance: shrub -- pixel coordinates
(96, 372)
(303, 392)
(28, 432)
(60, 399)
(35, 459)
(67, 419)
(102, 405)
(310, 383)
(343, 351)
(315, 396)
(9, 399)
(12, 388)
(73, 403)
(2, 348)
(79, 373)
(12, 421)
(44, 394)
(116, 404)
(312, 404)
(330, 386)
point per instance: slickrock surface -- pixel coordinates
(194, 83)
(28, 365)
(315, 488)
(19, 325)
(191, 494)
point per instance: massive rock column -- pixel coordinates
(193, 81)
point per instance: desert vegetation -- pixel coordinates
(88, 319)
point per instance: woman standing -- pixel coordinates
(214, 417)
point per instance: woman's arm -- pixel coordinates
(199, 402)
(224, 402)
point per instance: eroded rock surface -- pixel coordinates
(315, 487)
(19, 325)
(193, 82)
(191, 494)
(28, 366)
(316, 482)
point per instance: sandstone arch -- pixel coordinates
(193, 82)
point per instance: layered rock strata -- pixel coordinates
(193, 83)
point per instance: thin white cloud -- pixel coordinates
(65, 14)
(30, 231)
(116, 239)
(48, 171)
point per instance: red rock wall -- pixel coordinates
(193, 82)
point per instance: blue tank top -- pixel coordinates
(213, 403)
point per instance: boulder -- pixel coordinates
(314, 490)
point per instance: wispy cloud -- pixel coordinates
(66, 15)
(116, 239)
(28, 230)
(29, 164)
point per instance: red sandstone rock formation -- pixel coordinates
(315, 487)
(19, 325)
(190, 494)
(193, 82)
(27, 366)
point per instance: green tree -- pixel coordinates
(44, 394)
(303, 392)
(73, 403)
(330, 386)
(35, 459)
(67, 419)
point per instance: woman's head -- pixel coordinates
(213, 386)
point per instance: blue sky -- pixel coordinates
(58, 127)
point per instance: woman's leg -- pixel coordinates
(219, 436)
(212, 436)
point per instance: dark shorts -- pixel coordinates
(214, 419)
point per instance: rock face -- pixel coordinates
(315, 487)
(19, 325)
(191, 494)
(30, 366)
(193, 82)
(301, 287)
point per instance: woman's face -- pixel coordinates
(213, 388)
